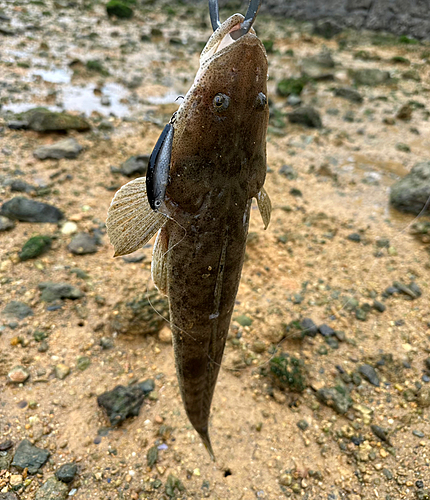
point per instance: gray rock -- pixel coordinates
(294, 100)
(135, 165)
(123, 402)
(66, 473)
(42, 120)
(307, 116)
(319, 67)
(17, 309)
(337, 398)
(370, 76)
(20, 186)
(10, 495)
(55, 291)
(32, 457)
(309, 327)
(289, 172)
(349, 93)
(18, 375)
(6, 224)
(411, 193)
(25, 210)
(82, 244)
(369, 374)
(66, 148)
(52, 489)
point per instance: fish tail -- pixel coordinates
(204, 434)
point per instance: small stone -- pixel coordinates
(52, 489)
(43, 120)
(83, 363)
(122, 402)
(258, 346)
(418, 434)
(379, 306)
(243, 320)
(309, 327)
(26, 210)
(152, 456)
(66, 473)
(405, 112)
(6, 224)
(106, 342)
(56, 291)
(423, 398)
(17, 309)
(82, 244)
(66, 148)
(30, 457)
(411, 193)
(165, 335)
(379, 432)
(349, 93)
(20, 186)
(305, 115)
(15, 479)
(370, 76)
(34, 247)
(337, 397)
(294, 100)
(69, 228)
(135, 165)
(369, 374)
(18, 375)
(325, 330)
(361, 314)
(289, 172)
(61, 371)
(147, 386)
(302, 425)
(356, 237)
(286, 479)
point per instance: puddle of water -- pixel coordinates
(54, 75)
(83, 100)
(168, 98)
(393, 167)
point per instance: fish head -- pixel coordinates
(225, 112)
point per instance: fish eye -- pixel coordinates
(260, 101)
(221, 102)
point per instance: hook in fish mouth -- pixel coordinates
(250, 16)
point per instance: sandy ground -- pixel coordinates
(261, 452)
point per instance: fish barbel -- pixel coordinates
(207, 165)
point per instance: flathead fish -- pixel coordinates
(208, 164)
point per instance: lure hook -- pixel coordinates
(250, 16)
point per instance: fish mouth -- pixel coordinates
(230, 32)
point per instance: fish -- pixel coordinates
(206, 167)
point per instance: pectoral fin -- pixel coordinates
(158, 265)
(265, 206)
(131, 222)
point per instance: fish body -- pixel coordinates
(217, 157)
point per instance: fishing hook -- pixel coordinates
(250, 16)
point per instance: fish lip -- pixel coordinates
(212, 50)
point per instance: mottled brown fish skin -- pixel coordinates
(218, 166)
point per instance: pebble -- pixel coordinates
(6, 224)
(17, 309)
(135, 165)
(61, 371)
(52, 489)
(18, 375)
(124, 402)
(34, 247)
(349, 93)
(288, 171)
(106, 342)
(26, 210)
(325, 330)
(20, 186)
(305, 115)
(69, 228)
(309, 327)
(66, 473)
(339, 401)
(165, 335)
(55, 291)
(82, 244)
(369, 373)
(83, 362)
(379, 306)
(15, 479)
(356, 237)
(30, 457)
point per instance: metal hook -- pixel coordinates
(250, 16)
(214, 13)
